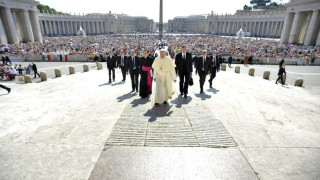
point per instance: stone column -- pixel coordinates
(101, 28)
(280, 29)
(75, 27)
(63, 28)
(97, 25)
(271, 29)
(225, 28)
(3, 37)
(276, 29)
(35, 23)
(13, 33)
(51, 28)
(263, 29)
(55, 28)
(94, 27)
(68, 28)
(318, 39)
(59, 27)
(295, 29)
(114, 27)
(286, 28)
(46, 27)
(27, 29)
(267, 29)
(313, 26)
(41, 26)
(258, 29)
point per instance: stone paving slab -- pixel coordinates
(182, 125)
(172, 163)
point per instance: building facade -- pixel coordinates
(298, 22)
(302, 22)
(92, 24)
(19, 21)
(260, 23)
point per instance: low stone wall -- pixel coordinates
(86, 58)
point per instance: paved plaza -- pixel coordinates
(80, 127)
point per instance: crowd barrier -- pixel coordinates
(90, 58)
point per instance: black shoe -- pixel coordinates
(113, 80)
(181, 94)
(137, 90)
(185, 96)
(276, 82)
(132, 90)
(9, 90)
(201, 92)
(210, 87)
(156, 104)
(165, 102)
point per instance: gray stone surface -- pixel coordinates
(237, 69)
(43, 76)
(299, 82)
(275, 127)
(171, 163)
(85, 68)
(176, 124)
(251, 72)
(57, 72)
(27, 79)
(266, 75)
(72, 70)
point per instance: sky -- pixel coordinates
(149, 8)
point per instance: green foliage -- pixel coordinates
(46, 9)
(247, 8)
(260, 3)
(263, 4)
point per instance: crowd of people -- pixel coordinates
(8, 71)
(102, 44)
(202, 51)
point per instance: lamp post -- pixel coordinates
(161, 20)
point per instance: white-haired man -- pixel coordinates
(164, 75)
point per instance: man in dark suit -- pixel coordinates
(202, 67)
(111, 65)
(35, 70)
(214, 67)
(184, 69)
(134, 70)
(282, 71)
(122, 63)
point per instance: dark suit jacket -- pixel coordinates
(34, 67)
(214, 66)
(131, 64)
(205, 66)
(183, 66)
(125, 62)
(282, 71)
(111, 62)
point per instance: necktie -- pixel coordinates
(122, 64)
(134, 63)
(184, 56)
(204, 59)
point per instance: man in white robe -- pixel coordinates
(164, 75)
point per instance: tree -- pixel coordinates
(45, 8)
(260, 4)
(266, 4)
(247, 8)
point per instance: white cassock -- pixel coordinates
(164, 72)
